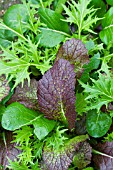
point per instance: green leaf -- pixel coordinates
(97, 124)
(100, 5)
(81, 15)
(2, 109)
(53, 20)
(17, 115)
(93, 64)
(16, 17)
(80, 103)
(54, 32)
(107, 24)
(50, 37)
(110, 2)
(42, 127)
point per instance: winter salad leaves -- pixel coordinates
(56, 85)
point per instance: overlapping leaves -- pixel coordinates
(74, 51)
(56, 93)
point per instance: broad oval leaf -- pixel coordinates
(56, 96)
(17, 115)
(97, 124)
(16, 17)
(49, 37)
(107, 24)
(42, 127)
(53, 20)
(55, 31)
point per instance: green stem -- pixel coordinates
(8, 28)
(100, 153)
(59, 7)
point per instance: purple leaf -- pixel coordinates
(74, 51)
(56, 96)
(63, 157)
(8, 150)
(103, 162)
(26, 95)
(4, 87)
(83, 156)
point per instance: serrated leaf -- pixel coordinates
(81, 15)
(17, 115)
(42, 127)
(26, 95)
(4, 87)
(100, 92)
(62, 158)
(97, 124)
(74, 51)
(104, 160)
(107, 25)
(8, 150)
(56, 93)
(16, 17)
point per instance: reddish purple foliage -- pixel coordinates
(56, 93)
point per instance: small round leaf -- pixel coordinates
(97, 124)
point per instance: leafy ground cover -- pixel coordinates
(56, 85)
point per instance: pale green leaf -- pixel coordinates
(17, 115)
(16, 17)
(50, 37)
(42, 127)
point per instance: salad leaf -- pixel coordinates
(104, 158)
(56, 93)
(82, 16)
(53, 32)
(16, 17)
(107, 24)
(74, 51)
(8, 150)
(43, 127)
(53, 20)
(62, 158)
(4, 39)
(92, 65)
(100, 92)
(17, 115)
(110, 2)
(83, 156)
(97, 124)
(4, 87)
(26, 95)
(50, 37)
